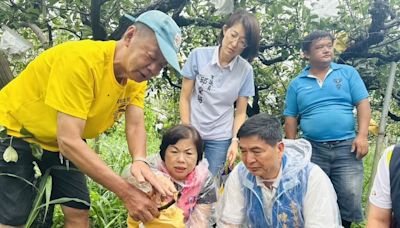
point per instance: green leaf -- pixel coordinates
(36, 204)
(37, 150)
(25, 133)
(10, 155)
(111, 223)
(48, 187)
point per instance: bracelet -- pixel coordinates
(235, 139)
(142, 160)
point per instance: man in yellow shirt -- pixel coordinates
(76, 91)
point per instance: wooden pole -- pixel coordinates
(382, 125)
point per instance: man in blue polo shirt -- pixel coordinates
(322, 98)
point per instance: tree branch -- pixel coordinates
(98, 30)
(392, 24)
(385, 58)
(386, 43)
(70, 30)
(269, 62)
(376, 34)
(39, 34)
(50, 34)
(263, 88)
(182, 21)
(166, 76)
(396, 95)
(163, 6)
(393, 116)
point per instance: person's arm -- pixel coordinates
(290, 127)
(360, 143)
(184, 101)
(291, 111)
(378, 217)
(69, 138)
(136, 138)
(240, 117)
(320, 207)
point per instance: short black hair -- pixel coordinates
(315, 35)
(252, 32)
(178, 132)
(264, 126)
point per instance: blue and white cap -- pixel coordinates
(167, 32)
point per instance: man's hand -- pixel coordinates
(142, 172)
(139, 205)
(232, 153)
(360, 146)
(360, 143)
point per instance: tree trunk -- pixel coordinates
(5, 71)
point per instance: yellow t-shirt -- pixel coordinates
(76, 78)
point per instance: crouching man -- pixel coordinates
(276, 185)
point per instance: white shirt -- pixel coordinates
(380, 192)
(319, 209)
(269, 193)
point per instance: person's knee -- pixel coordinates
(75, 217)
(349, 195)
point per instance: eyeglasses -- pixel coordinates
(234, 36)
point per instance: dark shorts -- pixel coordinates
(16, 195)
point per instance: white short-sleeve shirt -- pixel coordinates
(380, 192)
